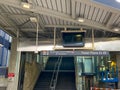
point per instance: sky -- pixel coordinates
(111, 3)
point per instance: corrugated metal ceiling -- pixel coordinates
(59, 14)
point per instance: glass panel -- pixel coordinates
(10, 39)
(6, 37)
(4, 61)
(80, 64)
(4, 50)
(8, 58)
(88, 65)
(0, 55)
(1, 33)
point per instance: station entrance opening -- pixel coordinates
(76, 70)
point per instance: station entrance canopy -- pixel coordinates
(75, 53)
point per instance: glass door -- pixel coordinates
(89, 82)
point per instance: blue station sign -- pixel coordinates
(75, 53)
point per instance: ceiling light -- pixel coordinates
(109, 61)
(26, 5)
(33, 19)
(116, 29)
(80, 19)
(118, 1)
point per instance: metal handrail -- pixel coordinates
(55, 74)
(58, 71)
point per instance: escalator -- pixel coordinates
(43, 81)
(61, 70)
(66, 81)
(66, 77)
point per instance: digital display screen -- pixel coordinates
(73, 39)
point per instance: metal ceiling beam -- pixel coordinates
(24, 29)
(13, 30)
(30, 29)
(15, 15)
(7, 31)
(14, 26)
(6, 18)
(49, 12)
(67, 26)
(18, 16)
(23, 16)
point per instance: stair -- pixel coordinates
(67, 63)
(66, 75)
(51, 63)
(43, 81)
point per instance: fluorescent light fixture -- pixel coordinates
(33, 19)
(26, 5)
(118, 1)
(109, 61)
(116, 29)
(80, 19)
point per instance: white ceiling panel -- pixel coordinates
(63, 5)
(103, 16)
(39, 3)
(99, 15)
(87, 7)
(54, 4)
(95, 14)
(59, 5)
(49, 4)
(91, 12)
(77, 9)
(68, 6)
(44, 3)
(82, 7)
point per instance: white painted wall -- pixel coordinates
(113, 45)
(108, 45)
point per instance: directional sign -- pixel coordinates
(75, 53)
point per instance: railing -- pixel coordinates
(108, 75)
(3, 71)
(55, 74)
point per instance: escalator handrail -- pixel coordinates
(53, 75)
(57, 72)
